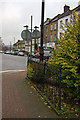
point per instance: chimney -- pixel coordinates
(66, 8)
(47, 19)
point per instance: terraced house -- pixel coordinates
(19, 45)
(51, 31)
(53, 27)
(66, 17)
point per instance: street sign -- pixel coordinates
(36, 34)
(26, 35)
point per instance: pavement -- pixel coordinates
(20, 100)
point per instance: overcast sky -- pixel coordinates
(14, 14)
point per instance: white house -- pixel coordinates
(66, 17)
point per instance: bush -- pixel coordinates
(35, 72)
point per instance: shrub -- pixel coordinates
(35, 72)
(67, 55)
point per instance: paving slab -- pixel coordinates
(19, 100)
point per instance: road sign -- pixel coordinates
(26, 35)
(36, 34)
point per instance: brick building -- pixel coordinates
(51, 31)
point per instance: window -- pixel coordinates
(54, 26)
(61, 24)
(46, 29)
(66, 21)
(51, 27)
(54, 38)
(51, 38)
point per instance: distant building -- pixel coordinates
(25, 46)
(28, 45)
(19, 45)
(2, 45)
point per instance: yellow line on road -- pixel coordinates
(11, 71)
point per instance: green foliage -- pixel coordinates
(35, 72)
(67, 55)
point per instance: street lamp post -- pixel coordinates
(42, 31)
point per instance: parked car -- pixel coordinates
(16, 52)
(21, 53)
(12, 53)
(32, 55)
(1, 51)
(7, 52)
(47, 56)
(37, 55)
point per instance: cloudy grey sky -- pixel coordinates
(14, 14)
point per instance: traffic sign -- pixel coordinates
(26, 35)
(36, 34)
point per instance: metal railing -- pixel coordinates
(47, 80)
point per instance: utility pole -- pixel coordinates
(31, 39)
(42, 32)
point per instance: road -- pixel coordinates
(13, 62)
(19, 99)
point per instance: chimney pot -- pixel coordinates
(66, 8)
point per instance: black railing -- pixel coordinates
(47, 80)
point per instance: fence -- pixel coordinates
(46, 80)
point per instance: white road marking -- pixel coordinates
(10, 71)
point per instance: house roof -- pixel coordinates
(59, 16)
(51, 20)
(19, 42)
(55, 18)
(69, 12)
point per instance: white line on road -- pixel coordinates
(10, 71)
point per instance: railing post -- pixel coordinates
(28, 60)
(60, 90)
(44, 70)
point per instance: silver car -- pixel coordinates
(21, 53)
